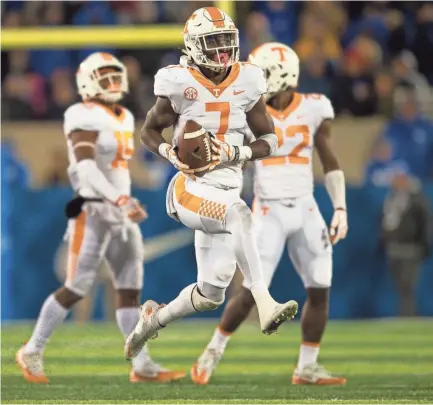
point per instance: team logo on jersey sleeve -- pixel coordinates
(190, 93)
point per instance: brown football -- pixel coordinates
(194, 148)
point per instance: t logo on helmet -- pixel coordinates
(281, 51)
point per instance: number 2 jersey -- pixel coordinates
(289, 174)
(114, 145)
(220, 109)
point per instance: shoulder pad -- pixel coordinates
(81, 116)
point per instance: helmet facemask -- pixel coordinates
(111, 83)
(216, 51)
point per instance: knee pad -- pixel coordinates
(200, 302)
(130, 277)
(135, 242)
(127, 265)
(238, 217)
(216, 294)
(320, 272)
(82, 282)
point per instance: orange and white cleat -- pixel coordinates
(280, 314)
(202, 371)
(32, 366)
(156, 373)
(315, 374)
(146, 328)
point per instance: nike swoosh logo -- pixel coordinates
(235, 93)
(196, 155)
(166, 243)
(154, 248)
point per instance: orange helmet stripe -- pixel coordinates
(106, 56)
(216, 16)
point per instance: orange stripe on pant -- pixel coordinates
(199, 205)
(185, 199)
(75, 242)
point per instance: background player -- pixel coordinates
(285, 211)
(99, 137)
(213, 89)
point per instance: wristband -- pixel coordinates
(245, 153)
(163, 149)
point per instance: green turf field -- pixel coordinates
(385, 361)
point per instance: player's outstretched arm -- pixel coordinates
(334, 181)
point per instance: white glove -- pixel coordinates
(131, 208)
(338, 229)
(167, 151)
(224, 152)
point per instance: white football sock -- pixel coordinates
(240, 225)
(308, 354)
(179, 308)
(219, 340)
(126, 319)
(52, 314)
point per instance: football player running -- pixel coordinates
(285, 212)
(103, 218)
(212, 88)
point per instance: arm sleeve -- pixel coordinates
(80, 117)
(90, 177)
(166, 85)
(258, 85)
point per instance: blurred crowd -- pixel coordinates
(357, 53)
(369, 58)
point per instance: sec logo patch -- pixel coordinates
(190, 93)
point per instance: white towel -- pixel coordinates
(169, 201)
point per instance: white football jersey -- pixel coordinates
(289, 174)
(220, 109)
(114, 146)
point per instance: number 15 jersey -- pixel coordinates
(289, 174)
(220, 109)
(114, 145)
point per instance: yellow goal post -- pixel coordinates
(149, 36)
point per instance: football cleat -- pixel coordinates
(201, 371)
(153, 372)
(146, 328)
(32, 366)
(282, 313)
(317, 375)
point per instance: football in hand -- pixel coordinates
(194, 148)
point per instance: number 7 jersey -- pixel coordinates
(114, 145)
(220, 109)
(289, 174)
